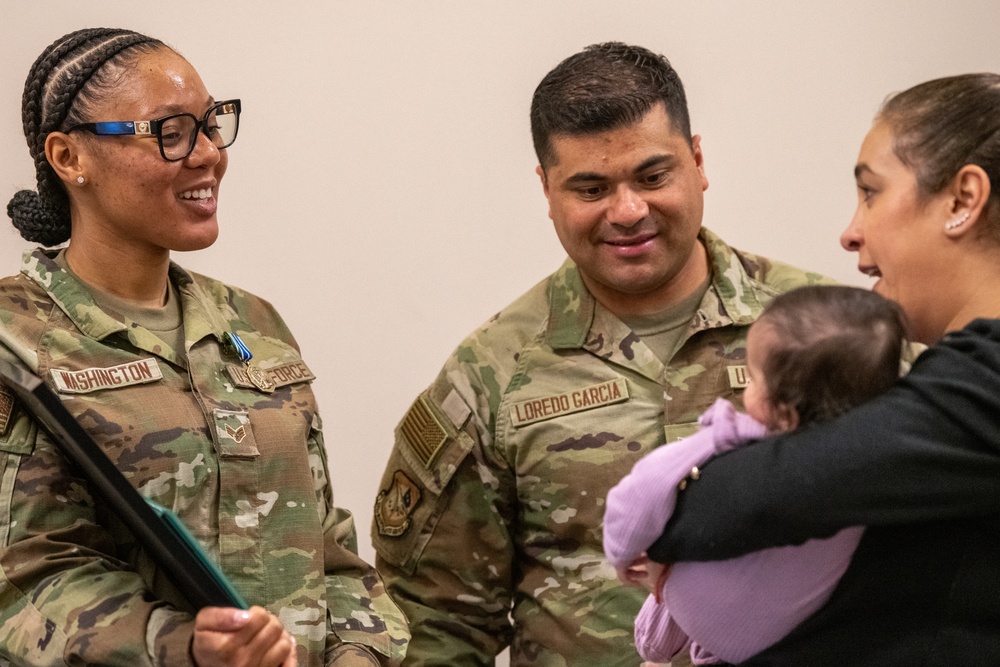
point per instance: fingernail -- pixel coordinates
(241, 617)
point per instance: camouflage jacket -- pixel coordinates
(488, 520)
(245, 470)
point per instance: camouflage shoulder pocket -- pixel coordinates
(429, 448)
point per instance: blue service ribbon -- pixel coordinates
(241, 348)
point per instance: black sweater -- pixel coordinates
(919, 465)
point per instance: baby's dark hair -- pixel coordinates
(831, 348)
(65, 81)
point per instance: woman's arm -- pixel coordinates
(360, 610)
(67, 596)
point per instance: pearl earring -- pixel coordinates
(957, 222)
(80, 180)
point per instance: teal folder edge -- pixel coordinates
(190, 542)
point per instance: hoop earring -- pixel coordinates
(81, 180)
(957, 222)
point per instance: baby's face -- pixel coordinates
(755, 399)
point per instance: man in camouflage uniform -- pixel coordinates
(240, 460)
(488, 520)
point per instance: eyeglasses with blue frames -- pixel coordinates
(177, 134)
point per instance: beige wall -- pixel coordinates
(382, 192)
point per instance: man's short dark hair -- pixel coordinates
(604, 87)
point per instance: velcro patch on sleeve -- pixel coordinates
(395, 505)
(423, 432)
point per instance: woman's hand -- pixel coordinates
(226, 637)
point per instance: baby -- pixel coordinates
(814, 353)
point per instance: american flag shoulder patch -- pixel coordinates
(423, 432)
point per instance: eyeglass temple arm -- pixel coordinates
(123, 127)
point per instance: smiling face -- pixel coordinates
(899, 236)
(627, 207)
(133, 198)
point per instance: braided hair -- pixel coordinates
(64, 83)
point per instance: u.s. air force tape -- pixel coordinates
(739, 377)
(280, 376)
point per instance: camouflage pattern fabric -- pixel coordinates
(245, 470)
(488, 520)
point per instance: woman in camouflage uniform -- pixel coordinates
(194, 388)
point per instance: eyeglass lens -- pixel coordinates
(178, 134)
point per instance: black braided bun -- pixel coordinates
(63, 83)
(37, 220)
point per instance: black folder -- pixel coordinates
(157, 528)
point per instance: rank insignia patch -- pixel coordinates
(234, 434)
(394, 506)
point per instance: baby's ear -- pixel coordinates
(786, 417)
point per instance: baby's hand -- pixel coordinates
(634, 574)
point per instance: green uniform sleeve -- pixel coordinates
(442, 532)
(66, 596)
(360, 610)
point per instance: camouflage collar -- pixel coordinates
(73, 298)
(203, 315)
(67, 293)
(732, 298)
